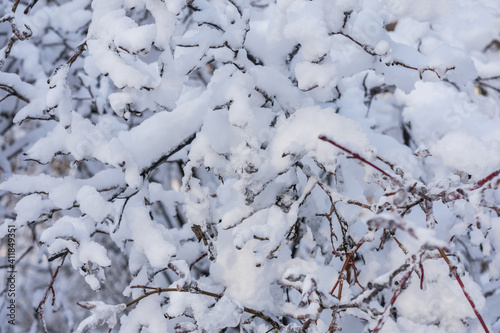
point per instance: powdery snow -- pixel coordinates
(259, 166)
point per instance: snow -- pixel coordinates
(136, 40)
(29, 208)
(227, 312)
(245, 282)
(433, 103)
(93, 282)
(93, 204)
(14, 81)
(444, 57)
(165, 21)
(25, 184)
(310, 75)
(120, 71)
(59, 96)
(311, 123)
(465, 152)
(101, 313)
(68, 15)
(435, 301)
(382, 47)
(176, 164)
(148, 237)
(304, 26)
(160, 134)
(135, 319)
(92, 251)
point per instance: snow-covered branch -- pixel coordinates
(219, 165)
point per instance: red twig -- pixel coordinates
(398, 291)
(453, 270)
(421, 275)
(362, 159)
(483, 181)
(356, 274)
(198, 260)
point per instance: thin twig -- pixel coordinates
(398, 291)
(50, 287)
(453, 270)
(362, 159)
(482, 182)
(370, 50)
(350, 256)
(202, 292)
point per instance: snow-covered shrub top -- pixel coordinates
(287, 166)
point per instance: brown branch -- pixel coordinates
(158, 291)
(332, 233)
(347, 15)
(39, 309)
(356, 274)
(14, 6)
(31, 5)
(407, 208)
(78, 51)
(8, 50)
(237, 8)
(342, 223)
(401, 246)
(13, 92)
(483, 84)
(198, 260)
(210, 24)
(369, 49)
(488, 78)
(16, 34)
(123, 210)
(165, 157)
(350, 256)
(310, 88)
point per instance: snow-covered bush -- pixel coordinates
(251, 165)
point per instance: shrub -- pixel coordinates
(215, 165)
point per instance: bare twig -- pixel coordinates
(50, 288)
(350, 256)
(28, 8)
(167, 155)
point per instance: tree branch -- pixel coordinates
(195, 291)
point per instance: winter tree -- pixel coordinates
(250, 165)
